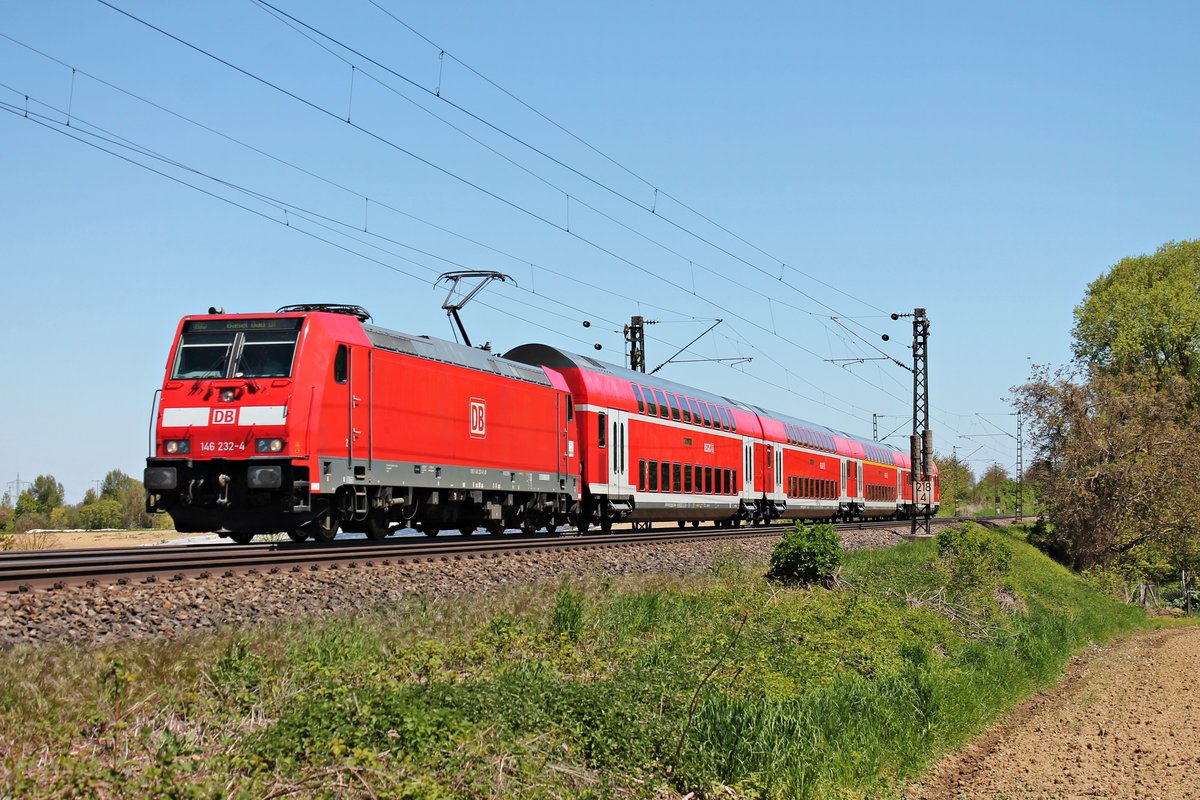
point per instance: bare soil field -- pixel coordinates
(1121, 724)
(44, 540)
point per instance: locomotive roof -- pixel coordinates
(449, 352)
(556, 358)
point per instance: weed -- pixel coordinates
(566, 617)
(807, 554)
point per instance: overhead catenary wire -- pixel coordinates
(384, 140)
(645, 181)
(368, 200)
(289, 19)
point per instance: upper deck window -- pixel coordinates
(662, 402)
(674, 401)
(637, 393)
(236, 348)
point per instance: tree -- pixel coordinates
(1119, 464)
(6, 511)
(104, 513)
(956, 481)
(1143, 315)
(116, 482)
(47, 493)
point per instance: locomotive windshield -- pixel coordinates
(236, 348)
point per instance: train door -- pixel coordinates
(749, 479)
(618, 453)
(853, 471)
(768, 470)
(359, 389)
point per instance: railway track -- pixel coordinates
(34, 570)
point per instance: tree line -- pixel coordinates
(120, 502)
(1116, 432)
(993, 492)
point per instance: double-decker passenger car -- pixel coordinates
(655, 450)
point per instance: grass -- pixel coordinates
(645, 687)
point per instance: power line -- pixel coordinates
(469, 183)
(646, 182)
(289, 19)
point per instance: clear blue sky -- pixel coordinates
(984, 161)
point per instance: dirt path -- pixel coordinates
(1121, 724)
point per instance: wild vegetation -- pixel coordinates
(726, 684)
(118, 502)
(1114, 433)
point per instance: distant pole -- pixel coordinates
(875, 427)
(1020, 466)
(954, 491)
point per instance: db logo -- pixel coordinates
(478, 418)
(224, 416)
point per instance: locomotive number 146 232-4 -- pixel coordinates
(222, 447)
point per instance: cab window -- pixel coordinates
(340, 364)
(203, 355)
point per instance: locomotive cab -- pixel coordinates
(222, 431)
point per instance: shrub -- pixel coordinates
(807, 554)
(975, 558)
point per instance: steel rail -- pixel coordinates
(30, 570)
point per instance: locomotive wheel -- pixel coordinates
(297, 535)
(606, 524)
(467, 530)
(583, 526)
(496, 529)
(322, 528)
(241, 538)
(430, 530)
(551, 528)
(376, 526)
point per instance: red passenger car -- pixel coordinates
(654, 450)
(309, 419)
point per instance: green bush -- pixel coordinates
(807, 554)
(975, 558)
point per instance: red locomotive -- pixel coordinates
(310, 419)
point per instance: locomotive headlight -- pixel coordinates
(177, 447)
(228, 395)
(268, 445)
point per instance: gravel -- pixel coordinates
(104, 614)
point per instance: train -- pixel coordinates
(312, 420)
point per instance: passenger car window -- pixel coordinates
(674, 402)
